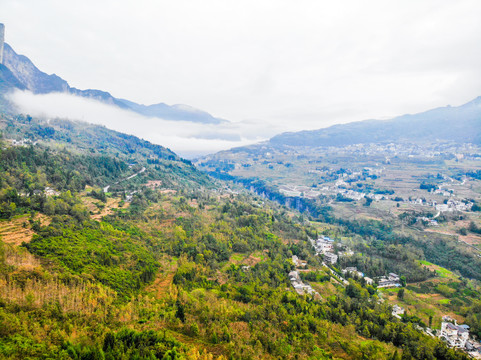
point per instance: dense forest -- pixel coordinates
(163, 265)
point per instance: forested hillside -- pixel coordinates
(115, 248)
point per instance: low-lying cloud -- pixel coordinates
(186, 138)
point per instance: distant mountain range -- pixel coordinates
(461, 124)
(19, 72)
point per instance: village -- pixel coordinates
(454, 335)
(324, 246)
(341, 189)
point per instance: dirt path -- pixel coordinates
(106, 188)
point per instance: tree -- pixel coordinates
(400, 294)
(180, 312)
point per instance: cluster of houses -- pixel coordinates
(353, 271)
(377, 197)
(325, 245)
(454, 205)
(447, 193)
(457, 336)
(48, 192)
(454, 335)
(51, 192)
(428, 221)
(351, 194)
(299, 191)
(466, 151)
(392, 280)
(23, 142)
(450, 205)
(298, 263)
(299, 286)
(341, 187)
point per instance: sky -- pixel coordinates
(266, 66)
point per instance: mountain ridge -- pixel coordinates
(460, 124)
(29, 77)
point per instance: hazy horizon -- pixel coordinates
(267, 67)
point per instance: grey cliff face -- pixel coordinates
(18, 72)
(2, 40)
(32, 78)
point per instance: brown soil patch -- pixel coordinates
(289, 241)
(20, 258)
(168, 191)
(153, 184)
(98, 214)
(446, 232)
(462, 223)
(436, 280)
(367, 217)
(430, 267)
(108, 209)
(14, 232)
(251, 260)
(471, 239)
(162, 282)
(436, 297)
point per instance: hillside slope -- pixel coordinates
(461, 124)
(98, 142)
(161, 264)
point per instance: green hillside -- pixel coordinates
(115, 248)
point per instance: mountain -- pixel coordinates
(163, 264)
(461, 124)
(112, 247)
(8, 80)
(95, 141)
(30, 76)
(19, 72)
(172, 112)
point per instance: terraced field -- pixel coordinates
(18, 230)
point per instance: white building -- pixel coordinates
(330, 258)
(397, 311)
(454, 335)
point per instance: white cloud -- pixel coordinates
(185, 138)
(298, 64)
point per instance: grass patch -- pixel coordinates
(236, 257)
(442, 272)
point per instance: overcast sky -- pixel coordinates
(281, 64)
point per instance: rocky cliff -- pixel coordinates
(19, 72)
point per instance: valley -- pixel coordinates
(171, 257)
(355, 241)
